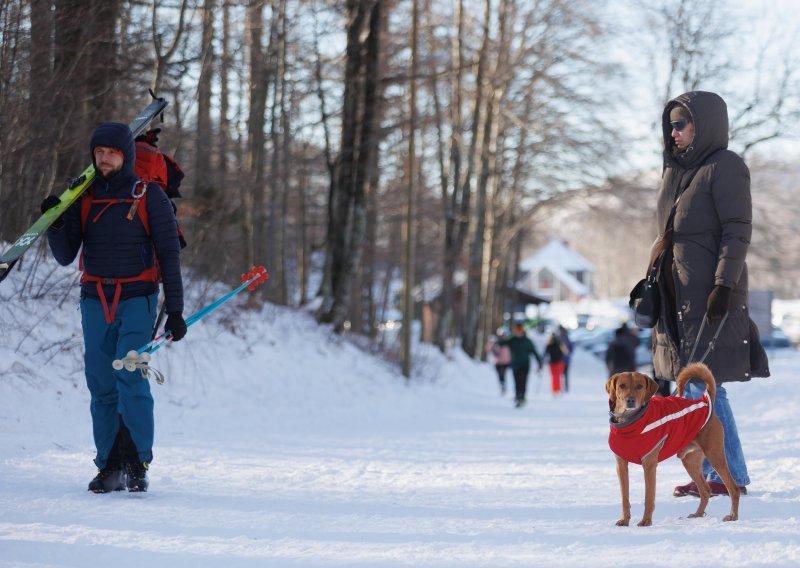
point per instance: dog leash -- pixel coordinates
(710, 343)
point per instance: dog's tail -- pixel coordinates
(700, 372)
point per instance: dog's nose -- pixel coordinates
(630, 402)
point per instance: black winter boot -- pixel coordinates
(109, 478)
(137, 476)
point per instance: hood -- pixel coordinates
(119, 136)
(710, 118)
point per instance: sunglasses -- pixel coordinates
(679, 125)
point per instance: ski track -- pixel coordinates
(297, 449)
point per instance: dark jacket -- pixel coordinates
(115, 247)
(712, 228)
(554, 352)
(521, 350)
(620, 355)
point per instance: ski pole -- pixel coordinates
(159, 319)
(139, 358)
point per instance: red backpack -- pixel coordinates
(154, 167)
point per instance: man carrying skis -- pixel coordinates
(130, 242)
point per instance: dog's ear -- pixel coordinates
(652, 387)
(611, 387)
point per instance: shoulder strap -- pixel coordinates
(139, 192)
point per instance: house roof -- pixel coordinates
(567, 279)
(556, 255)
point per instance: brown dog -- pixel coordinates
(648, 430)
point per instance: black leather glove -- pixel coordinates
(718, 302)
(176, 326)
(48, 203)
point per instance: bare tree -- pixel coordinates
(409, 215)
(253, 190)
(347, 221)
(164, 55)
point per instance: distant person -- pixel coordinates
(500, 356)
(522, 348)
(563, 335)
(620, 355)
(705, 212)
(554, 353)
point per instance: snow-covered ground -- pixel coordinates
(280, 444)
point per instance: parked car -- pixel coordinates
(776, 340)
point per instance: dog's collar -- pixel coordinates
(629, 419)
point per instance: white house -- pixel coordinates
(557, 273)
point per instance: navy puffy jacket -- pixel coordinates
(113, 246)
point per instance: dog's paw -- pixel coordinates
(623, 522)
(646, 523)
(731, 518)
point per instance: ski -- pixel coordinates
(75, 189)
(140, 358)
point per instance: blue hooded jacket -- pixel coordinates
(113, 246)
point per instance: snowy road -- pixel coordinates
(330, 460)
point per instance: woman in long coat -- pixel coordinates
(704, 274)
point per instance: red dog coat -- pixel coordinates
(672, 419)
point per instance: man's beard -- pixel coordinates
(110, 174)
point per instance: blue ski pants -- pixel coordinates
(122, 393)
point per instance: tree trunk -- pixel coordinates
(408, 237)
(163, 56)
(475, 285)
(204, 138)
(359, 121)
(253, 189)
(454, 228)
(223, 139)
(207, 247)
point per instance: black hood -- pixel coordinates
(119, 136)
(710, 118)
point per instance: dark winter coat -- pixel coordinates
(521, 350)
(554, 352)
(115, 247)
(620, 356)
(712, 228)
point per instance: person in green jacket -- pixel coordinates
(521, 350)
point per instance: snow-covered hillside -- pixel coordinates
(280, 444)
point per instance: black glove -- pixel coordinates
(151, 137)
(48, 203)
(176, 326)
(718, 302)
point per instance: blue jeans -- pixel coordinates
(733, 447)
(122, 393)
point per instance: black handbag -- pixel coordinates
(645, 298)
